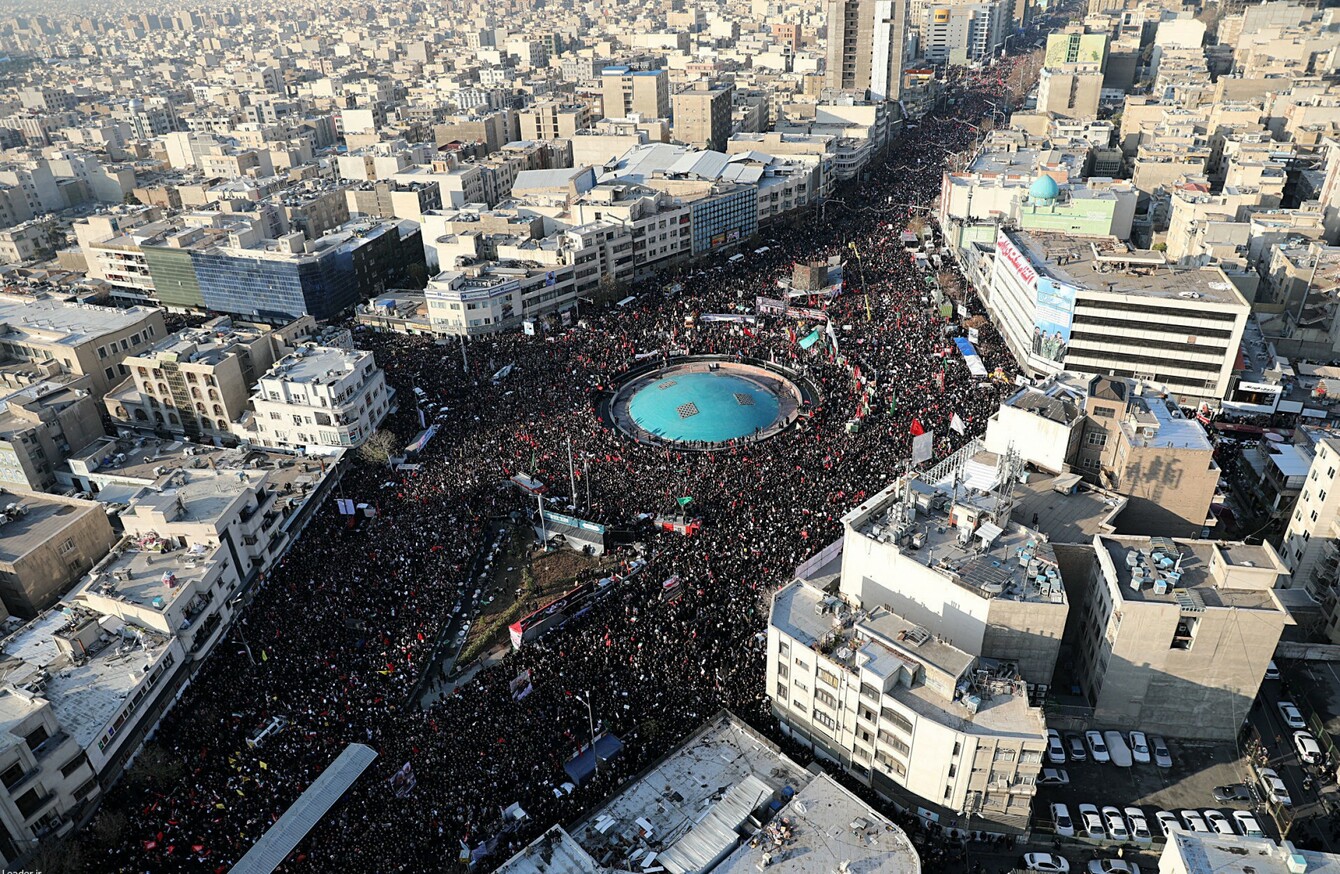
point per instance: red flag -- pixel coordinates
(917, 430)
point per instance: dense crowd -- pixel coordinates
(343, 630)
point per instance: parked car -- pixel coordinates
(1193, 821)
(1115, 825)
(1097, 746)
(1139, 747)
(1053, 777)
(1234, 792)
(1162, 757)
(1117, 750)
(1062, 824)
(1075, 743)
(1055, 752)
(1113, 866)
(1219, 822)
(1274, 787)
(1247, 824)
(1272, 672)
(1046, 862)
(1139, 825)
(1292, 716)
(1308, 748)
(1091, 822)
(1167, 821)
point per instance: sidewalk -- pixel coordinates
(436, 689)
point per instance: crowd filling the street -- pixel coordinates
(338, 639)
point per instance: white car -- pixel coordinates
(1247, 824)
(1062, 824)
(1116, 826)
(1055, 752)
(1139, 747)
(1139, 825)
(1308, 748)
(1292, 716)
(1274, 787)
(1194, 822)
(1272, 671)
(1219, 822)
(1113, 866)
(1167, 822)
(1097, 747)
(1162, 757)
(1091, 823)
(1046, 862)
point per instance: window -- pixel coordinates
(12, 775)
(781, 692)
(800, 664)
(824, 719)
(1096, 438)
(87, 789)
(1321, 495)
(826, 698)
(827, 677)
(30, 802)
(67, 546)
(902, 723)
(73, 765)
(36, 737)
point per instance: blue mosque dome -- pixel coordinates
(1044, 188)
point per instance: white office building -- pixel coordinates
(318, 399)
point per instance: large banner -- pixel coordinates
(970, 357)
(1052, 318)
(573, 522)
(726, 317)
(1018, 263)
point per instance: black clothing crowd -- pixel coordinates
(342, 631)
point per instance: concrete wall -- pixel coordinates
(1027, 633)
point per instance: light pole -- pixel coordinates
(591, 721)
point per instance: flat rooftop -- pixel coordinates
(1056, 405)
(315, 364)
(37, 520)
(194, 495)
(85, 696)
(1196, 588)
(1158, 423)
(1105, 265)
(1235, 854)
(822, 827)
(68, 323)
(146, 575)
(726, 758)
(998, 560)
(1065, 518)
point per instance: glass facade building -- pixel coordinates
(725, 219)
(275, 287)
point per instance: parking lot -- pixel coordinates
(1197, 768)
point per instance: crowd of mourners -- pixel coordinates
(339, 636)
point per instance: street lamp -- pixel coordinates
(591, 721)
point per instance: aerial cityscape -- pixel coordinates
(817, 436)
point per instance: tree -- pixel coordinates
(378, 447)
(155, 769)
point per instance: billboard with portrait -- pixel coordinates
(1052, 317)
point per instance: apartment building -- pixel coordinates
(1096, 306)
(552, 120)
(47, 543)
(627, 91)
(78, 339)
(866, 47)
(195, 383)
(318, 400)
(702, 116)
(1176, 635)
(45, 420)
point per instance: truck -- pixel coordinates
(1117, 749)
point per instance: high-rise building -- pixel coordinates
(866, 42)
(703, 116)
(627, 91)
(959, 32)
(553, 120)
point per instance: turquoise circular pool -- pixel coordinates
(703, 406)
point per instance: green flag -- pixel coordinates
(685, 501)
